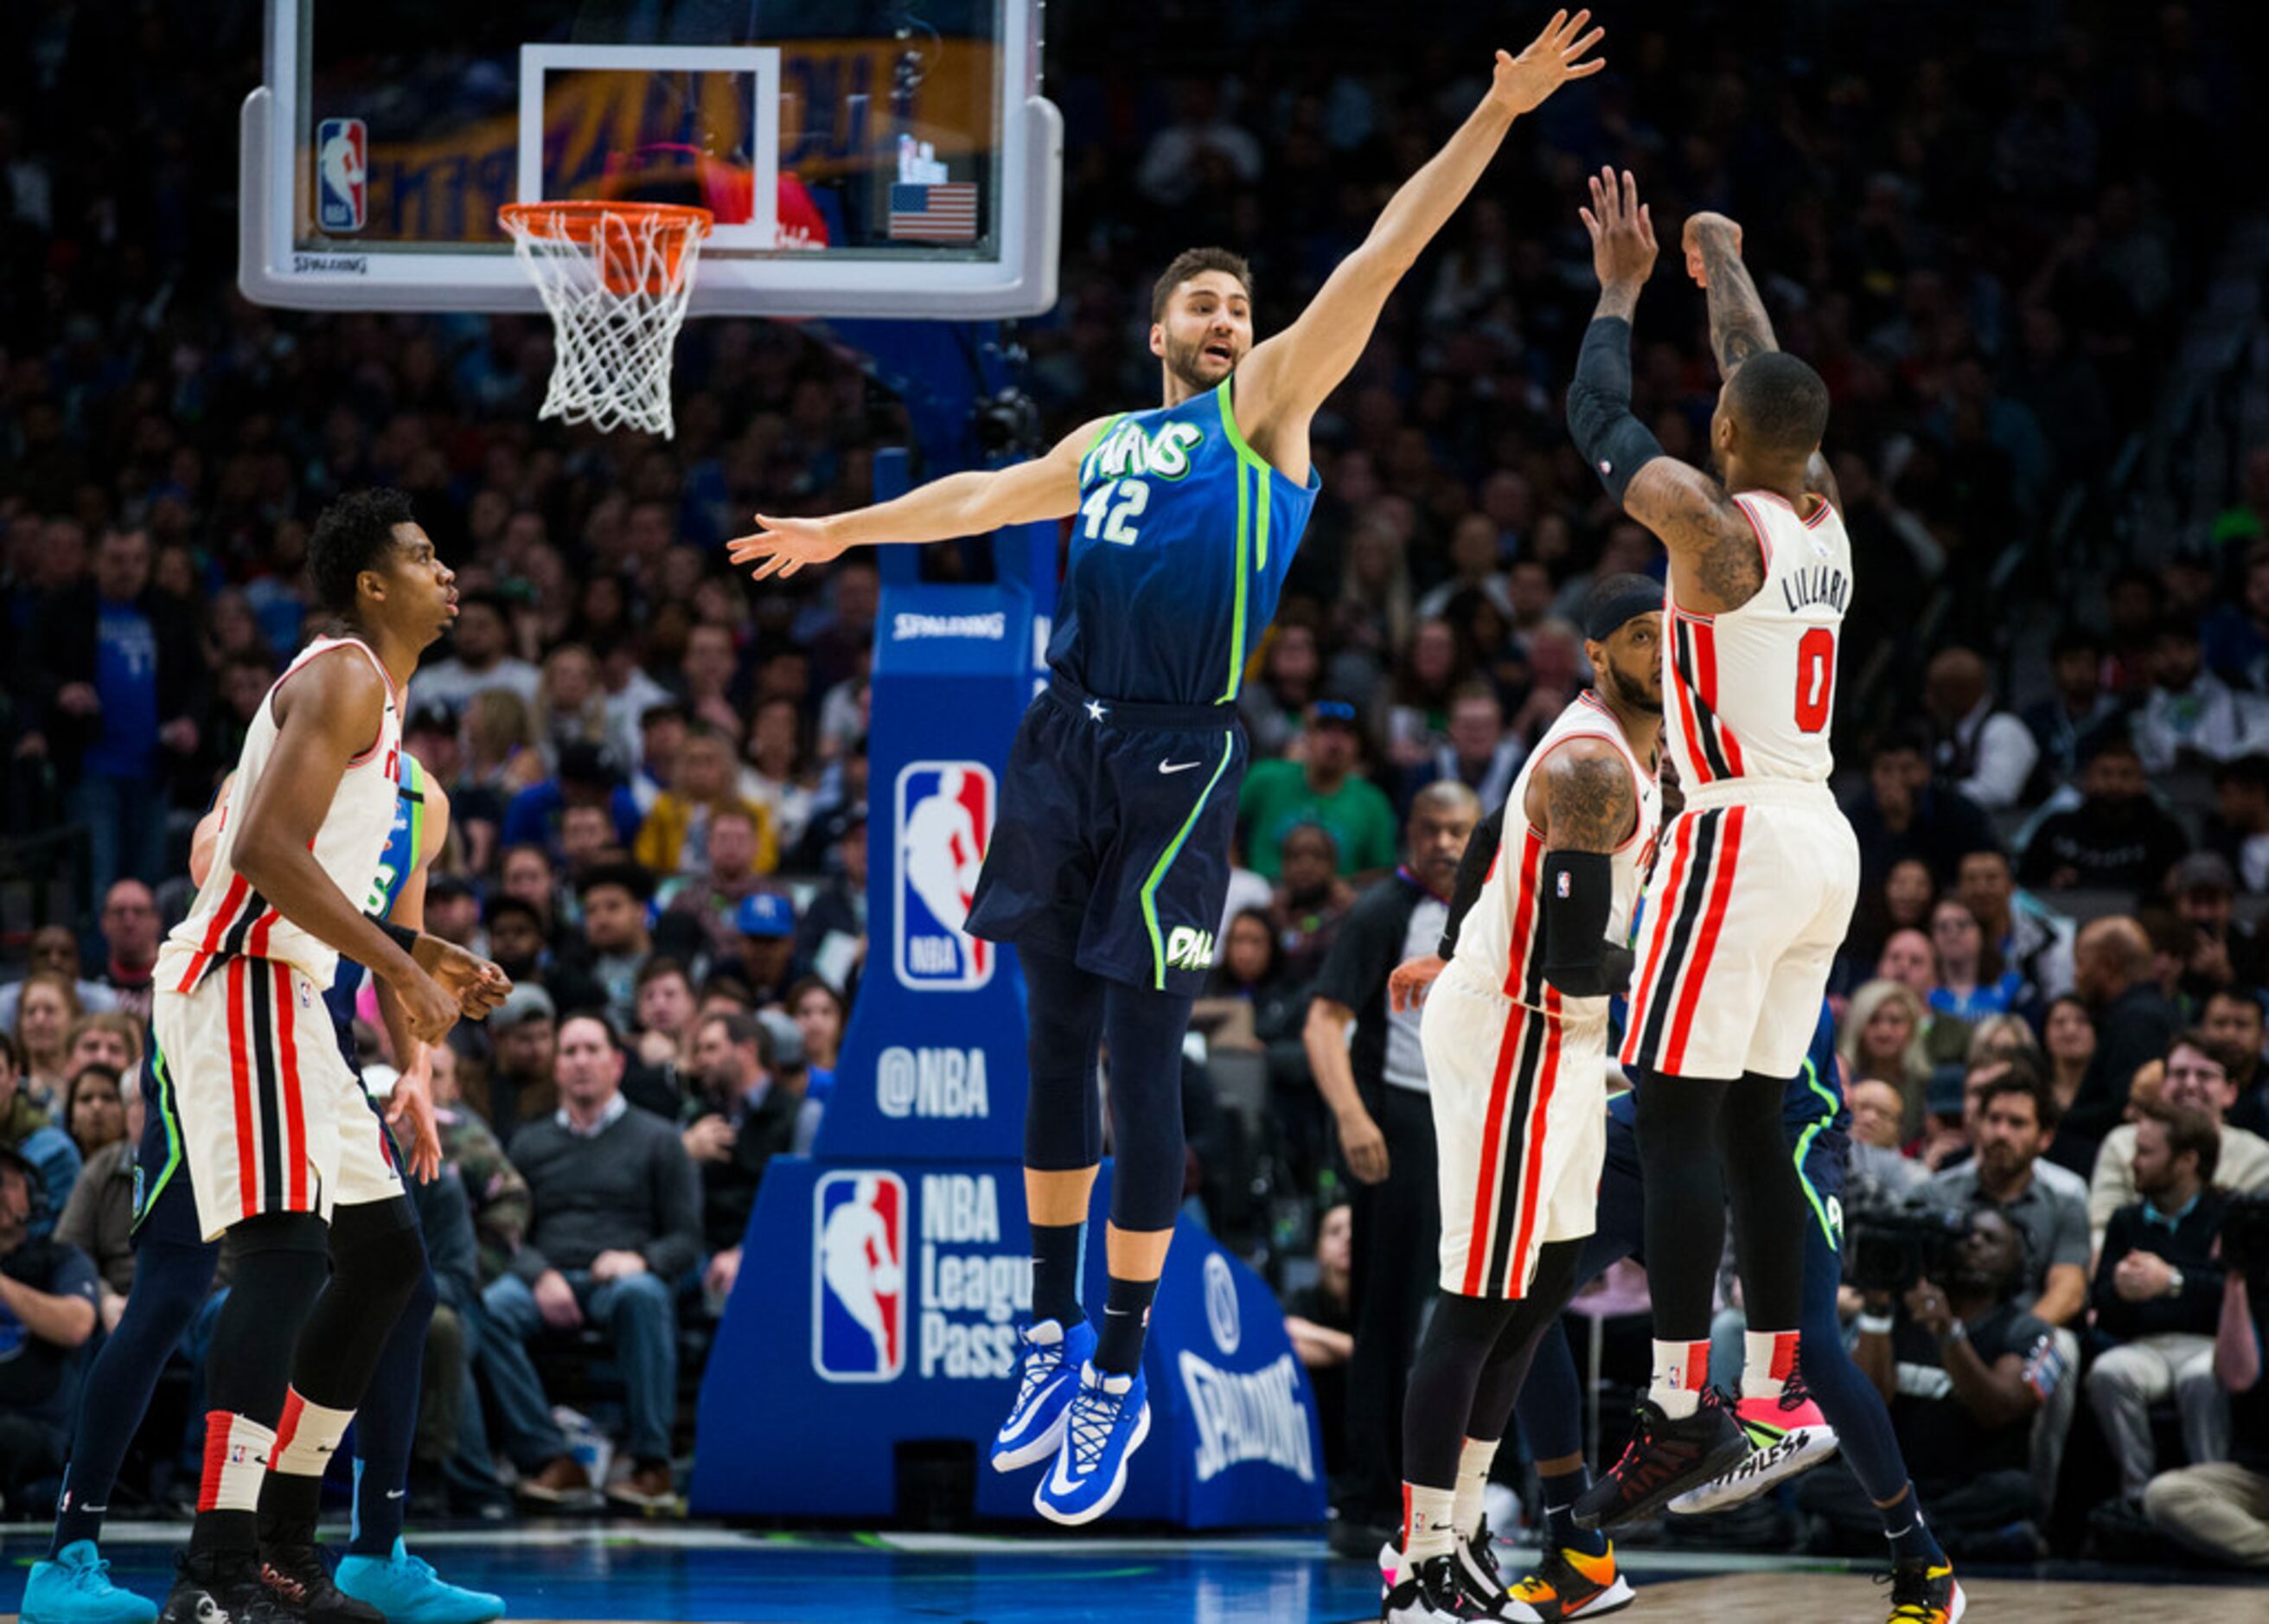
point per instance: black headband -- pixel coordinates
(1607, 618)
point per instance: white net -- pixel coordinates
(615, 280)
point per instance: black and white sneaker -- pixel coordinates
(1482, 1581)
(298, 1583)
(1428, 1594)
(223, 1587)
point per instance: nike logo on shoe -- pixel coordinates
(1178, 766)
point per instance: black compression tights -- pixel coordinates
(1471, 1363)
(1701, 1140)
(1070, 1010)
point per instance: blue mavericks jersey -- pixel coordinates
(403, 842)
(1180, 546)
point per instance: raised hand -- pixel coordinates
(1623, 231)
(783, 546)
(1701, 229)
(1521, 83)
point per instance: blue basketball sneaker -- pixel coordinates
(75, 1588)
(1052, 1359)
(1109, 1419)
(409, 1591)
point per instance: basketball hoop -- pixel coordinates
(615, 276)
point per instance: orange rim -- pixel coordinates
(625, 269)
(583, 220)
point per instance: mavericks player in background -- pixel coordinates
(173, 1272)
(1111, 860)
(275, 1133)
(1754, 889)
(1516, 1038)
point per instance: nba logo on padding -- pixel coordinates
(859, 1277)
(341, 194)
(945, 823)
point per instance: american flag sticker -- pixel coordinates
(937, 211)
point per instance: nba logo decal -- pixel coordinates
(945, 823)
(859, 1277)
(341, 194)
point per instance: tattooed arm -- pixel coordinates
(1739, 326)
(1582, 797)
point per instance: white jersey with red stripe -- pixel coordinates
(1747, 692)
(233, 920)
(1498, 943)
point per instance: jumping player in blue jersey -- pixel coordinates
(1110, 860)
(173, 1272)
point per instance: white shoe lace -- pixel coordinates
(1094, 1413)
(1042, 1360)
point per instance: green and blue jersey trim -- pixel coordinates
(147, 1199)
(1252, 552)
(1166, 860)
(1829, 1225)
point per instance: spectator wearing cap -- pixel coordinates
(741, 1115)
(480, 657)
(2197, 1077)
(113, 682)
(2116, 838)
(2066, 724)
(2190, 715)
(831, 935)
(616, 940)
(584, 777)
(1906, 814)
(615, 1222)
(2157, 1294)
(1327, 788)
(674, 839)
(2238, 829)
(2224, 951)
(764, 945)
(1981, 750)
(523, 1034)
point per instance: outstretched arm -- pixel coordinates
(970, 503)
(1713, 556)
(1739, 326)
(1583, 799)
(1287, 378)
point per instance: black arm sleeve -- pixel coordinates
(1473, 868)
(1579, 893)
(1614, 442)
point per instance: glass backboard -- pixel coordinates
(887, 160)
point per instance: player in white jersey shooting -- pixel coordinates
(1753, 890)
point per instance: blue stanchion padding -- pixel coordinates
(878, 1305)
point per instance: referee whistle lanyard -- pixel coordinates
(1402, 872)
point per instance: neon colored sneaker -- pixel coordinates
(1109, 1417)
(1567, 1584)
(409, 1591)
(1922, 1593)
(75, 1588)
(1788, 1436)
(1052, 1359)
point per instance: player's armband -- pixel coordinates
(1614, 442)
(401, 936)
(1579, 893)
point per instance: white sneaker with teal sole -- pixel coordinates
(75, 1588)
(409, 1591)
(1050, 1362)
(1109, 1417)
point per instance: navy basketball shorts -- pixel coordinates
(1111, 844)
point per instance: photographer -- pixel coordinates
(2222, 1511)
(2156, 1296)
(1964, 1369)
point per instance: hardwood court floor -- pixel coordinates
(664, 1573)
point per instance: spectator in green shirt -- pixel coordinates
(1326, 789)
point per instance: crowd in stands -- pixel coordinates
(2051, 1011)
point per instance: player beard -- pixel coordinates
(1185, 362)
(1630, 693)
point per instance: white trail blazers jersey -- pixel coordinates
(1747, 693)
(1497, 944)
(230, 919)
